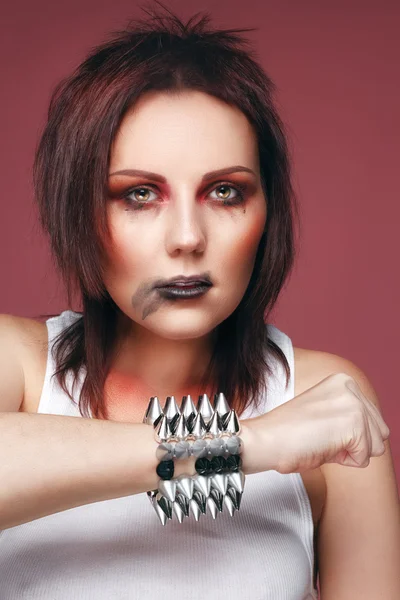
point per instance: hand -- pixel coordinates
(331, 422)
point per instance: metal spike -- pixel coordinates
(182, 449)
(212, 507)
(165, 451)
(221, 405)
(172, 437)
(237, 480)
(217, 446)
(236, 497)
(194, 507)
(215, 425)
(201, 501)
(225, 421)
(231, 423)
(229, 505)
(171, 408)
(200, 448)
(234, 444)
(172, 423)
(179, 513)
(181, 431)
(162, 431)
(199, 426)
(188, 407)
(163, 507)
(218, 498)
(151, 494)
(160, 513)
(205, 408)
(183, 503)
(167, 487)
(219, 481)
(185, 485)
(153, 411)
(202, 483)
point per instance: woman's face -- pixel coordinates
(177, 217)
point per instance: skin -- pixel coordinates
(185, 228)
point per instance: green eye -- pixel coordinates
(227, 194)
(138, 197)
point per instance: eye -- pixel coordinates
(141, 195)
(224, 192)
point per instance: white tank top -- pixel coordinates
(118, 550)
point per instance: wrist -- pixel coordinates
(185, 466)
(259, 447)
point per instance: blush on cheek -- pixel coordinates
(246, 245)
(120, 246)
(123, 256)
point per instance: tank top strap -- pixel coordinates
(53, 399)
(284, 342)
(278, 392)
(60, 322)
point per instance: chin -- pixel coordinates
(184, 327)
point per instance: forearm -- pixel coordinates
(51, 463)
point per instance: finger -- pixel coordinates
(375, 414)
(373, 410)
(358, 451)
(377, 445)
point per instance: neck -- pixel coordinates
(166, 366)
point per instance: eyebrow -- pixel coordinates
(162, 179)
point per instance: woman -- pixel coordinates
(164, 158)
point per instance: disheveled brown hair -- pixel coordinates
(70, 179)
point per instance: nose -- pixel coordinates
(186, 228)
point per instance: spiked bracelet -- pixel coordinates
(210, 435)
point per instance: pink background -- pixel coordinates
(336, 67)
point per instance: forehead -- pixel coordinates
(185, 128)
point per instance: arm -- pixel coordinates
(359, 530)
(51, 463)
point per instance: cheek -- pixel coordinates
(244, 247)
(124, 251)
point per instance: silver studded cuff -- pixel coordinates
(211, 435)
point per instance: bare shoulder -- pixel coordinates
(311, 366)
(26, 340)
(314, 365)
(359, 533)
(28, 334)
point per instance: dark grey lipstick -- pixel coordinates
(197, 279)
(183, 290)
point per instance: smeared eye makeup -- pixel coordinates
(226, 188)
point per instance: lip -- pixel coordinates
(202, 279)
(183, 292)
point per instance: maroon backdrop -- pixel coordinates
(336, 68)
